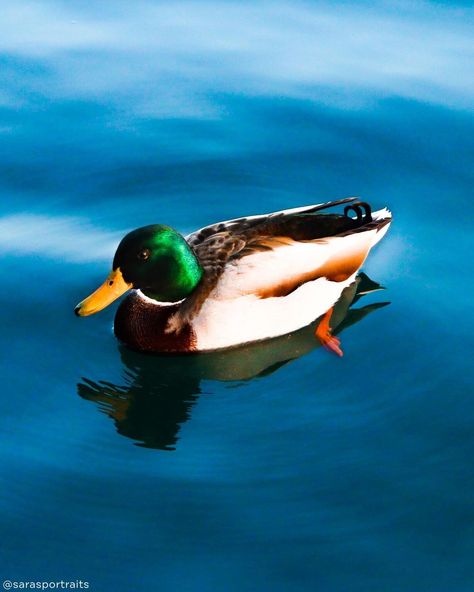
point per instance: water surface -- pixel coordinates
(281, 467)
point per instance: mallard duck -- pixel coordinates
(239, 281)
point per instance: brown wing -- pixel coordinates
(242, 225)
(216, 245)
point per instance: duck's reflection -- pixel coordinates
(160, 390)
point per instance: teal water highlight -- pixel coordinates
(281, 467)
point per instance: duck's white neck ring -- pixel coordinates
(156, 302)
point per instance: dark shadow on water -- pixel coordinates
(160, 390)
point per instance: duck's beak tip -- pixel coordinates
(113, 287)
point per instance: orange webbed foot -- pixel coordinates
(331, 343)
(325, 336)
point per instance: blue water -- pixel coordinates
(278, 468)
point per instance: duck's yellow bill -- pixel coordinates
(113, 287)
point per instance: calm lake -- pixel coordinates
(277, 467)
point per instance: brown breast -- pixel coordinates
(141, 326)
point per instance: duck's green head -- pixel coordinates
(155, 259)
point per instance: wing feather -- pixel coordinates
(218, 245)
(238, 225)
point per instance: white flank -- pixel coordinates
(233, 314)
(226, 323)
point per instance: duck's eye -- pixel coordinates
(144, 254)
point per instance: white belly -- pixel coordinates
(230, 322)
